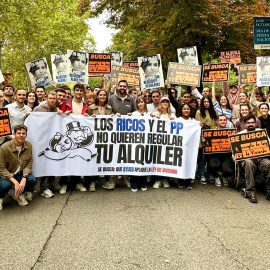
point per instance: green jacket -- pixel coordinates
(9, 159)
(93, 109)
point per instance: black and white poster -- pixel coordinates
(116, 59)
(188, 56)
(263, 70)
(59, 67)
(39, 73)
(77, 66)
(151, 74)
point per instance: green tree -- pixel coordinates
(34, 29)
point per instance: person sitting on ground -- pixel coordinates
(18, 173)
(250, 165)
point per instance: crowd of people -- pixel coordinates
(234, 108)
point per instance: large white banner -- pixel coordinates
(105, 145)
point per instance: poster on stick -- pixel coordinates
(116, 59)
(151, 74)
(217, 140)
(216, 72)
(131, 75)
(99, 64)
(232, 57)
(5, 128)
(253, 144)
(59, 67)
(247, 74)
(39, 73)
(77, 66)
(131, 64)
(105, 145)
(263, 70)
(188, 56)
(184, 74)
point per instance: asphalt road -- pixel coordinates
(206, 228)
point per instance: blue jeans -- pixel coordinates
(201, 162)
(138, 181)
(5, 184)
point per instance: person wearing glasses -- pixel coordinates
(147, 97)
(250, 165)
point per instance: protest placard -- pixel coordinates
(131, 75)
(216, 72)
(131, 64)
(5, 128)
(116, 58)
(232, 57)
(247, 74)
(151, 74)
(7, 78)
(39, 73)
(99, 64)
(59, 67)
(188, 56)
(2, 79)
(105, 145)
(253, 144)
(261, 32)
(217, 140)
(184, 74)
(263, 71)
(77, 66)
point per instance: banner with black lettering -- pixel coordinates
(105, 145)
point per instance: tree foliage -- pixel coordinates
(157, 26)
(31, 29)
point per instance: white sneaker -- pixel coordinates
(1, 204)
(217, 182)
(144, 188)
(47, 194)
(28, 196)
(134, 189)
(21, 200)
(80, 187)
(203, 180)
(165, 183)
(107, 185)
(92, 187)
(63, 190)
(157, 184)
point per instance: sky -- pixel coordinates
(101, 33)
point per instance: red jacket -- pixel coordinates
(69, 105)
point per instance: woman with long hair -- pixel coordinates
(207, 116)
(31, 100)
(163, 112)
(90, 98)
(244, 110)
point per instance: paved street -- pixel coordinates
(206, 228)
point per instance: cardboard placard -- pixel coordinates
(216, 72)
(184, 74)
(131, 75)
(233, 57)
(253, 144)
(247, 74)
(133, 64)
(5, 128)
(263, 70)
(217, 140)
(7, 77)
(99, 64)
(261, 32)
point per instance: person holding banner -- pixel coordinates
(221, 162)
(100, 107)
(163, 112)
(147, 96)
(155, 97)
(90, 99)
(208, 117)
(244, 111)
(250, 165)
(139, 181)
(185, 115)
